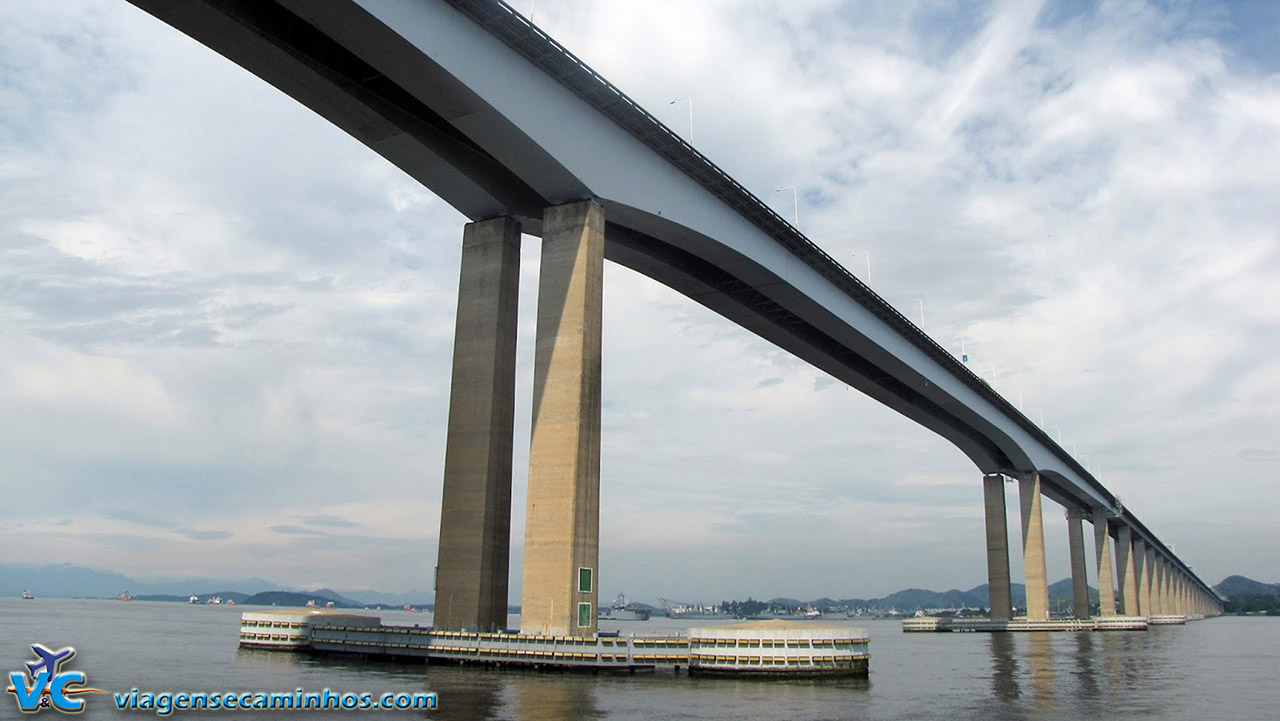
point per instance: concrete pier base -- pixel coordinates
(475, 518)
(562, 527)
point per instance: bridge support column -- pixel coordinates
(475, 518)
(1146, 582)
(1033, 548)
(1158, 595)
(1140, 576)
(562, 527)
(1079, 567)
(1125, 571)
(1102, 550)
(1001, 598)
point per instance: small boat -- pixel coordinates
(27, 595)
(329, 604)
(214, 601)
(193, 599)
(125, 596)
(231, 602)
(411, 609)
(311, 604)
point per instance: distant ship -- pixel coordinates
(27, 595)
(411, 609)
(677, 609)
(623, 611)
(214, 601)
(193, 599)
(125, 596)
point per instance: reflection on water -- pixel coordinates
(1085, 675)
(1004, 669)
(466, 693)
(545, 697)
(1040, 665)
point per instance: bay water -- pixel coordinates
(1222, 668)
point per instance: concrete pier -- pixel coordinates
(1102, 549)
(1001, 600)
(475, 519)
(1079, 567)
(562, 527)
(1140, 571)
(1033, 548)
(1127, 577)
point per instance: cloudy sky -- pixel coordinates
(225, 326)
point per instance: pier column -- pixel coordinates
(1127, 576)
(1146, 584)
(1140, 577)
(1102, 550)
(1033, 548)
(1079, 567)
(562, 526)
(1158, 595)
(475, 513)
(1001, 598)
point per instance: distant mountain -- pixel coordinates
(1241, 586)
(294, 599)
(368, 597)
(68, 581)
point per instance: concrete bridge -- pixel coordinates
(518, 134)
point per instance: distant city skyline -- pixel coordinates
(227, 325)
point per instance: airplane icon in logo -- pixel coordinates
(50, 661)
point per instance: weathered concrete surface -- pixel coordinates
(1033, 548)
(475, 518)
(997, 547)
(1102, 550)
(562, 527)
(1079, 566)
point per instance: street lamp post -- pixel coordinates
(921, 302)
(690, 99)
(868, 254)
(795, 197)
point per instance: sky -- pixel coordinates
(226, 326)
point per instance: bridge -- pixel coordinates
(510, 128)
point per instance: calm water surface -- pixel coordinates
(1220, 668)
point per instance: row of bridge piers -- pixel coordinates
(561, 546)
(1137, 580)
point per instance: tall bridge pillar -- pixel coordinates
(475, 518)
(1079, 567)
(1151, 605)
(1001, 598)
(1033, 547)
(562, 529)
(1157, 587)
(1125, 571)
(1142, 588)
(1102, 550)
